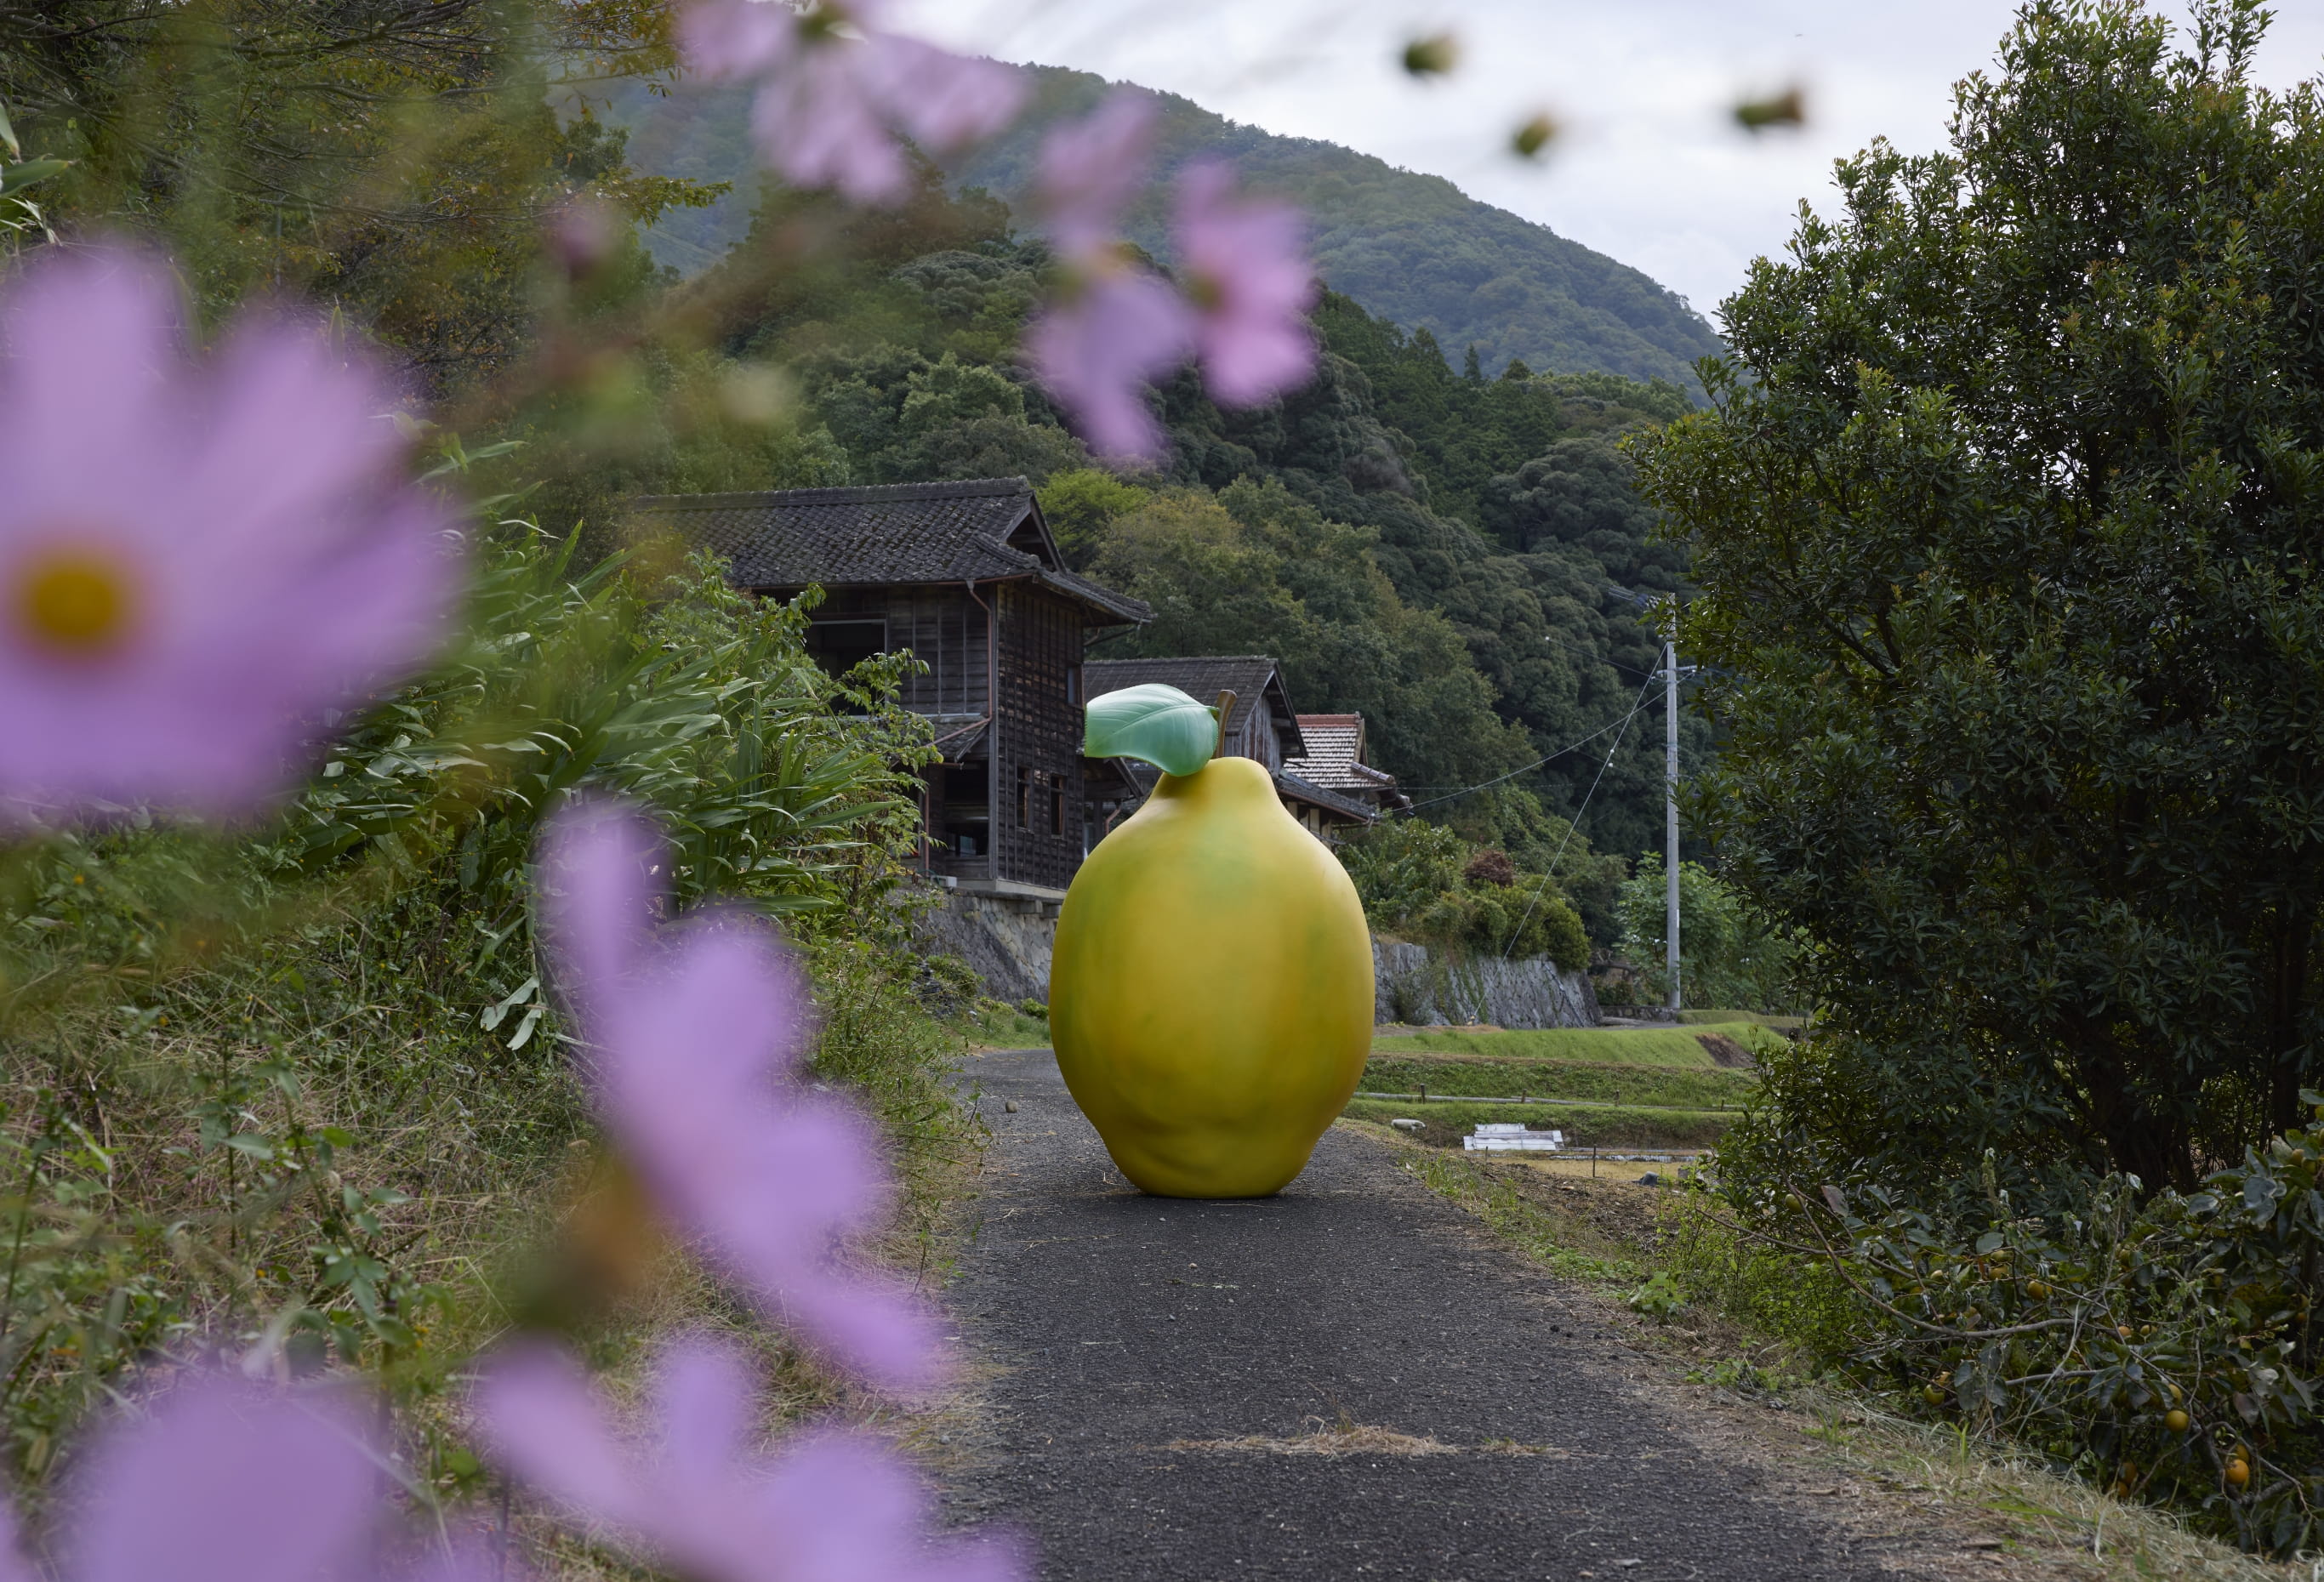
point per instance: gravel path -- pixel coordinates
(1132, 1341)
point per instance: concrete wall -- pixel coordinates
(1008, 944)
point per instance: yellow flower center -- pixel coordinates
(74, 602)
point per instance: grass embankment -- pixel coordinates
(1630, 1046)
(1654, 1086)
(1786, 1025)
(1603, 1087)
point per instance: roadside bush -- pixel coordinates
(1425, 883)
(2165, 1348)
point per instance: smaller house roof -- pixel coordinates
(978, 530)
(1246, 676)
(1334, 756)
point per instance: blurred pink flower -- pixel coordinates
(1090, 171)
(195, 564)
(1114, 333)
(1244, 264)
(828, 1507)
(835, 87)
(223, 1480)
(694, 1036)
(1243, 272)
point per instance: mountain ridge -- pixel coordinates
(1411, 247)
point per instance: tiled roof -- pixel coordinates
(1306, 790)
(983, 529)
(1333, 743)
(1246, 674)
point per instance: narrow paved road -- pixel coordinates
(1129, 1335)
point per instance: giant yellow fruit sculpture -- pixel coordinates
(1211, 995)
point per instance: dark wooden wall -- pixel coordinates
(1035, 813)
(1038, 820)
(942, 625)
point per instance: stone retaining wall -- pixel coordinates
(1421, 987)
(1007, 945)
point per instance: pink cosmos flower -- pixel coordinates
(1244, 262)
(694, 1037)
(1247, 285)
(835, 88)
(195, 563)
(1089, 171)
(222, 1481)
(1098, 350)
(829, 1507)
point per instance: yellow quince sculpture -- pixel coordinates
(1211, 994)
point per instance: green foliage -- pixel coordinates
(1082, 504)
(1659, 1298)
(1663, 1086)
(1410, 247)
(1726, 955)
(1801, 1301)
(2154, 1346)
(2006, 522)
(1657, 1047)
(298, 1087)
(254, 136)
(1415, 883)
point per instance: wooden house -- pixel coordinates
(1261, 725)
(967, 576)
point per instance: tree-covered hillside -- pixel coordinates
(1411, 248)
(1445, 552)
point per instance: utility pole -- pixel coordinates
(1670, 814)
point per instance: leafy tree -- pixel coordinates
(1082, 504)
(1727, 957)
(2006, 521)
(1426, 884)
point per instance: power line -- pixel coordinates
(1575, 822)
(1561, 752)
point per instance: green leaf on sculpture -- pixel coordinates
(1154, 723)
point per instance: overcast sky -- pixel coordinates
(1651, 169)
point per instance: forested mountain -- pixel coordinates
(1411, 248)
(1442, 551)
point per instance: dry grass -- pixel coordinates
(2041, 1520)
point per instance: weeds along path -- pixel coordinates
(1339, 1382)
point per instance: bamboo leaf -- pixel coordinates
(1156, 725)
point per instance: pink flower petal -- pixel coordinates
(227, 1482)
(545, 1421)
(690, 1489)
(1246, 263)
(694, 1039)
(1091, 170)
(719, 40)
(831, 102)
(1097, 351)
(270, 562)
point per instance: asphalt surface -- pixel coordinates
(1126, 1336)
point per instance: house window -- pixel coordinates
(838, 646)
(1024, 799)
(1056, 809)
(1073, 685)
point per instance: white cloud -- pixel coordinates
(1652, 168)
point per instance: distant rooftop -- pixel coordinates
(1334, 758)
(980, 530)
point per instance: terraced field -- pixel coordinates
(1601, 1086)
